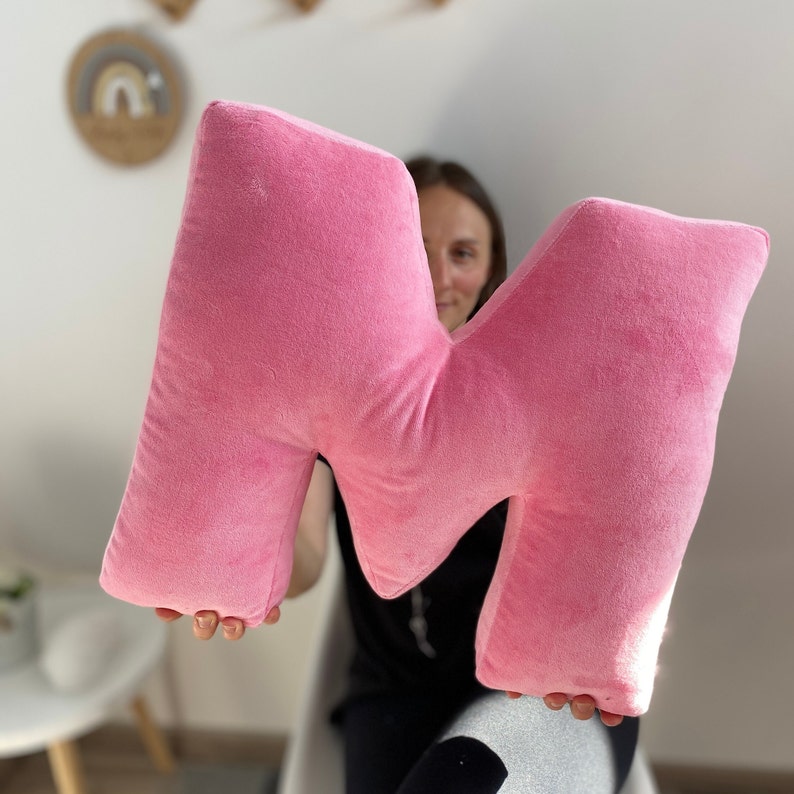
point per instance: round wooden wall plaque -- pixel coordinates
(124, 96)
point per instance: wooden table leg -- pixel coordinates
(152, 737)
(66, 767)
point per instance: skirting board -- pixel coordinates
(193, 744)
(711, 780)
(204, 746)
(7, 767)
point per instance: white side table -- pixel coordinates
(34, 716)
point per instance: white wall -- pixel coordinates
(686, 105)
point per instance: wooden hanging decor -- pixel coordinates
(124, 96)
(306, 5)
(176, 9)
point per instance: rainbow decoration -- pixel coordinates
(120, 75)
(124, 96)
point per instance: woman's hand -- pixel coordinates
(582, 707)
(206, 623)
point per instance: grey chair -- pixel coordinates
(314, 762)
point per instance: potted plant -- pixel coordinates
(18, 630)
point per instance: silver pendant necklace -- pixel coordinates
(418, 624)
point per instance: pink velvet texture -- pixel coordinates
(299, 317)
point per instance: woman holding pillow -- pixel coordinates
(415, 718)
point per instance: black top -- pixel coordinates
(424, 639)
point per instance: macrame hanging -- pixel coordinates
(176, 9)
(306, 5)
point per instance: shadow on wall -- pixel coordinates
(61, 512)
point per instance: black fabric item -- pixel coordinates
(623, 738)
(385, 735)
(460, 765)
(424, 639)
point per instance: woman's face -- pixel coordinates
(457, 236)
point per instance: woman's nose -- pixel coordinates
(440, 272)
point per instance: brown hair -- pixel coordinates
(427, 171)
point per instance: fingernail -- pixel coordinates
(229, 630)
(204, 622)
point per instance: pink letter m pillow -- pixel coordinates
(299, 318)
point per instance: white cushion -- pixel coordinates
(80, 649)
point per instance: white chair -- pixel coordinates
(36, 716)
(314, 760)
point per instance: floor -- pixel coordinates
(122, 767)
(129, 774)
(132, 773)
(33, 777)
(123, 771)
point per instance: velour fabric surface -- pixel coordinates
(299, 318)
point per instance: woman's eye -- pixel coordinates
(463, 253)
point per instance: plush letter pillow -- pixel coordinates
(299, 317)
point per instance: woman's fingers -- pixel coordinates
(611, 720)
(555, 701)
(583, 707)
(206, 623)
(167, 614)
(233, 628)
